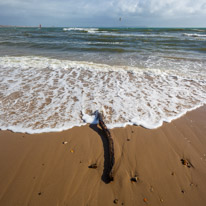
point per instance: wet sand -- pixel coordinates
(168, 165)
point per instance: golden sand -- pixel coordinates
(165, 166)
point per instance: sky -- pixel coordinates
(104, 13)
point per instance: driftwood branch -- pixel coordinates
(109, 172)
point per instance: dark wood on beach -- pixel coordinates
(111, 147)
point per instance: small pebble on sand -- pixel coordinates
(145, 200)
(115, 201)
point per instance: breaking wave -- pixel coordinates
(39, 94)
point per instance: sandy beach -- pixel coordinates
(168, 165)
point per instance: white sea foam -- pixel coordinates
(194, 35)
(41, 95)
(89, 30)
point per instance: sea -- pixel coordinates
(52, 79)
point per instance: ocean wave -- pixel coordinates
(199, 30)
(117, 33)
(141, 35)
(41, 94)
(89, 30)
(194, 35)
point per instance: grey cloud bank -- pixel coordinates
(168, 13)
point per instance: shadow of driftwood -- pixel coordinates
(107, 159)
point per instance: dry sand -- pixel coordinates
(40, 170)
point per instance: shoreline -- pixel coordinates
(53, 168)
(124, 125)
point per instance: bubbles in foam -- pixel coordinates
(40, 94)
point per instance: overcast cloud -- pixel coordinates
(103, 12)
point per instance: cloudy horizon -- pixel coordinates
(104, 13)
